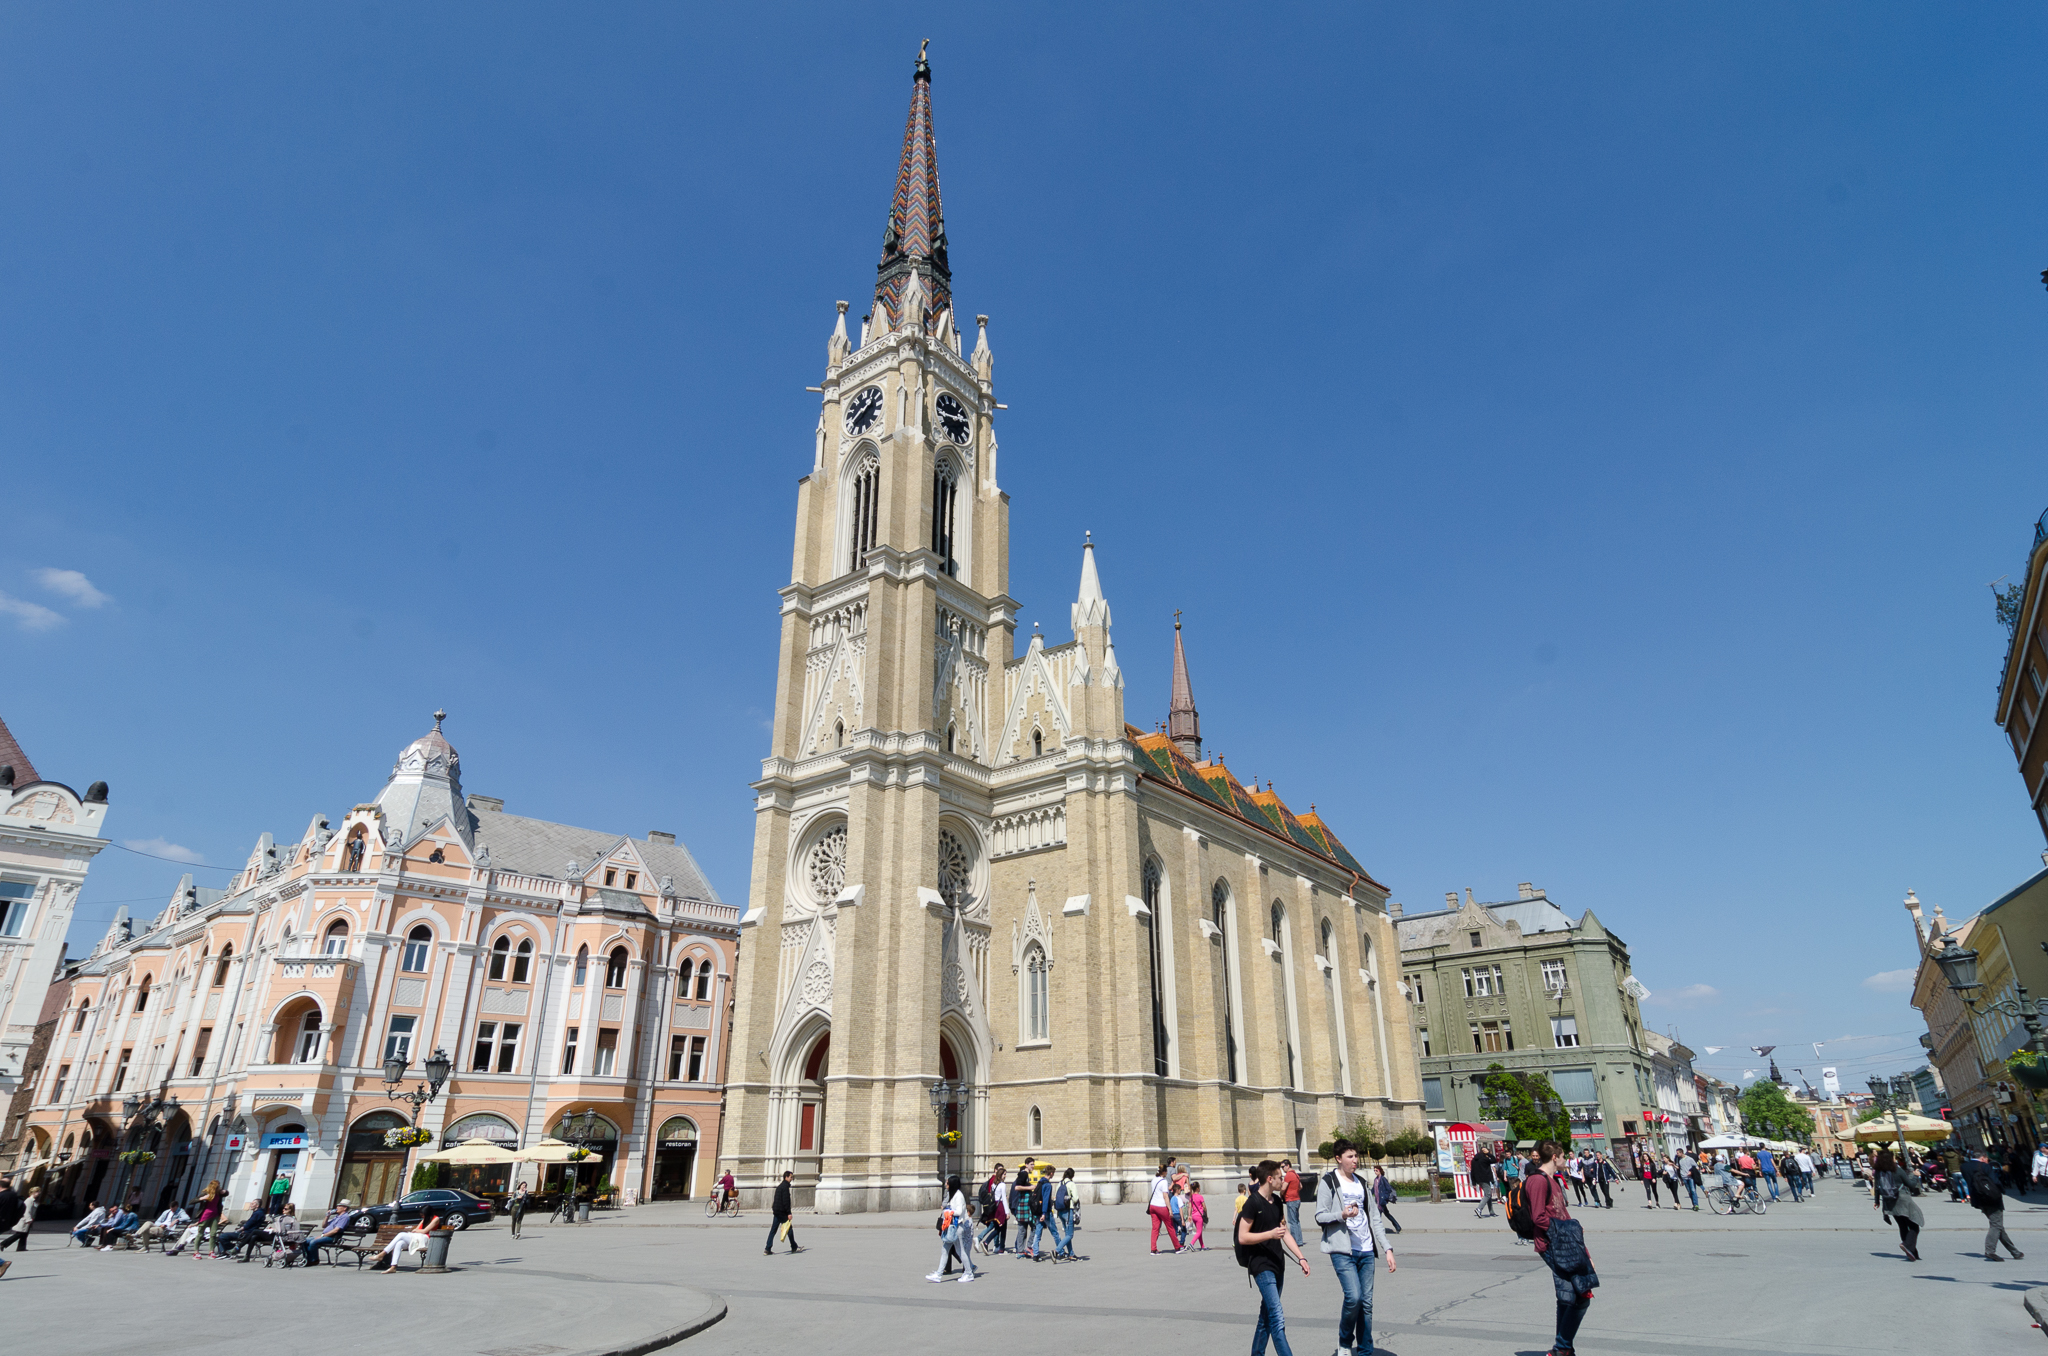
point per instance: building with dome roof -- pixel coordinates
(989, 917)
(561, 969)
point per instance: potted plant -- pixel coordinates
(137, 1157)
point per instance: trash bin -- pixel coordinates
(583, 1212)
(437, 1250)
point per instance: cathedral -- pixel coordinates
(1005, 921)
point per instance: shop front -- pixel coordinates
(592, 1175)
(285, 1146)
(372, 1172)
(492, 1180)
(675, 1159)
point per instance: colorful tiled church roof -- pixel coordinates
(916, 239)
(1213, 784)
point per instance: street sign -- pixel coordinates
(234, 1144)
(286, 1141)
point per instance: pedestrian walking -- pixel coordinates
(1575, 1173)
(1986, 1196)
(1066, 1208)
(1649, 1175)
(956, 1234)
(1292, 1198)
(1767, 1163)
(782, 1225)
(1561, 1243)
(1481, 1172)
(1956, 1181)
(15, 1234)
(2017, 1170)
(1198, 1216)
(1607, 1178)
(1156, 1207)
(1668, 1171)
(1347, 1208)
(1384, 1194)
(516, 1207)
(1263, 1244)
(1892, 1190)
(212, 1209)
(1021, 1211)
(1689, 1173)
(2038, 1169)
(1797, 1169)
(989, 1204)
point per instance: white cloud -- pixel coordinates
(1687, 996)
(1888, 981)
(29, 616)
(73, 585)
(163, 847)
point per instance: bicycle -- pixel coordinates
(1741, 1201)
(718, 1203)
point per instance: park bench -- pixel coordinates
(364, 1249)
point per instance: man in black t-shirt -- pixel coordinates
(1482, 1177)
(1263, 1242)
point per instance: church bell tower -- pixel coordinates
(863, 974)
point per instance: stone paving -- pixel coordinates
(1816, 1279)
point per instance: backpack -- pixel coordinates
(1521, 1219)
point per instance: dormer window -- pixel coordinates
(1475, 941)
(632, 880)
(611, 875)
(1038, 743)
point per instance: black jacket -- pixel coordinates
(783, 1209)
(1482, 1168)
(11, 1208)
(1985, 1192)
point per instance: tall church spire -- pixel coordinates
(1183, 723)
(916, 239)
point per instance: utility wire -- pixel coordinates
(179, 860)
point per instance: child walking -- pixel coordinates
(1198, 1214)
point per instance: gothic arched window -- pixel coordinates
(683, 978)
(220, 971)
(142, 994)
(501, 951)
(1038, 743)
(418, 943)
(945, 499)
(704, 980)
(1328, 953)
(865, 505)
(1037, 1129)
(1279, 924)
(1037, 1008)
(1219, 908)
(522, 961)
(336, 940)
(1155, 890)
(582, 965)
(615, 969)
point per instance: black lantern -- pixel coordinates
(1958, 966)
(438, 1065)
(394, 1069)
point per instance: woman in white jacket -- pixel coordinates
(1354, 1239)
(957, 1238)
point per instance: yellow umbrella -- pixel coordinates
(544, 1150)
(472, 1153)
(1918, 1129)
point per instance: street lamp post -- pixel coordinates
(436, 1069)
(944, 1095)
(1891, 1095)
(1959, 967)
(579, 1133)
(153, 1115)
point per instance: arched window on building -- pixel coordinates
(704, 980)
(683, 977)
(1279, 924)
(309, 1038)
(220, 971)
(865, 504)
(501, 951)
(84, 1011)
(1155, 882)
(838, 734)
(1037, 1129)
(1328, 952)
(1219, 914)
(142, 994)
(945, 505)
(522, 961)
(582, 965)
(615, 969)
(1038, 743)
(336, 941)
(1037, 1012)
(419, 944)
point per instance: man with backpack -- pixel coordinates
(1348, 1210)
(1482, 1179)
(1541, 1215)
(1263, 1244)
(988, 1205)
(1986, 1195)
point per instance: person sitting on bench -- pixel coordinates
(165, 1226)
(411, 1241)
(252, 1230)
(123, 1224)
(95, 1215)
(329, 1233)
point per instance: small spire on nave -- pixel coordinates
(1183, 722)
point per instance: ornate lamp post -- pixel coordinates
(944, 1095)
(1959, 967)
(1893, 1095)
(579, 1133)
(436, 1069)
(153, 1115)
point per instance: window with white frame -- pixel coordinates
(15, 898)
(418, 943)
(398, 1039)
(569, 1050)
(1424, 1033)
(335, 943)
(1564, 1032)
(309, 1038)
(1553, 976)
(1037, 1129)
(1037, 1011)
(497, 1047)
(607, 1051)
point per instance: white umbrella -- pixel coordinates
(1730, 1142)
(545, 1150)
(472, 1153)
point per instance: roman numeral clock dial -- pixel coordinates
(864, 410)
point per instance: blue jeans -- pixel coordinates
(1294, 1221)
(1272, 1321)
(992, 1235)
(1054, 1222)
(1792, 1179)
(1693, 1192)
(1354, 1320)
(1771, 1178)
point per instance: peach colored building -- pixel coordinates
(560, 968)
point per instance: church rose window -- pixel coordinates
(956, 883)
(825, 863)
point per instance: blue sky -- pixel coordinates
(1580, 436)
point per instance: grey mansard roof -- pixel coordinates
(535, 847)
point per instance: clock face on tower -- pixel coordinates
(953, 420)
(863, 410)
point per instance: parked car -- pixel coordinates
(457, 1209)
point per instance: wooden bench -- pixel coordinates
(364, 1249)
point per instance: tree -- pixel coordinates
(1767, 1111)
(1527, 1094)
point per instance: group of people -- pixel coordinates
(1972, 1175)
(1589, 1175)
(1267, 1233)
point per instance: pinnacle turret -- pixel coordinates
(1183, 722)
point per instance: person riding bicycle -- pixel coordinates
(1746, 1168)
(728, 1190)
